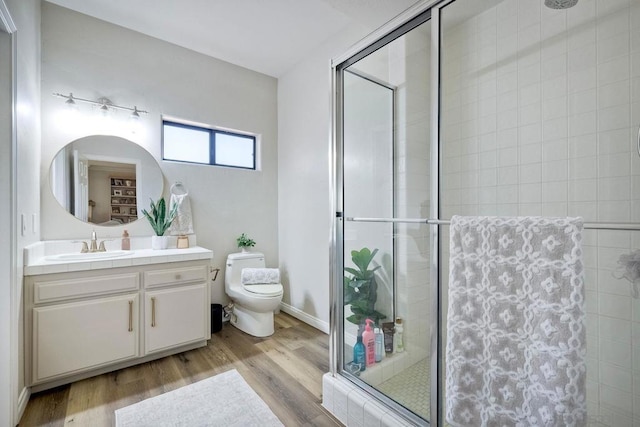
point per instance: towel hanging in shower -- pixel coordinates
(183, 223)
(516, 347)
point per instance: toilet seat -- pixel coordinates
(265, 289)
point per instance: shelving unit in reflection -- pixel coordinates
(124, 202)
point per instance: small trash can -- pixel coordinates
(216, 318)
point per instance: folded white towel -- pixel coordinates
(516, 323)
(260, 276)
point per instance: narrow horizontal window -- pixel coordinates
(194, 144)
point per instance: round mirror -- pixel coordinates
(105, 180)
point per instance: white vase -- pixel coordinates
(159, 242)
(245, 250)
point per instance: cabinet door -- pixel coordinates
(73, 337)
(175, 316)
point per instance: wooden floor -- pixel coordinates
(285, 370)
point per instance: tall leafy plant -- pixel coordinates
(159, 218)
(361, 288)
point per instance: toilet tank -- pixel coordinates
(237, 261)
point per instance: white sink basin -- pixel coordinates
(88, 256)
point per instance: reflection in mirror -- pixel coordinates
(105, 180)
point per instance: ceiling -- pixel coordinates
(268, 36)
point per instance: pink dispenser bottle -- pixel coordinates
(369, 341)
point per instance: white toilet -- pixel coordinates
(253, 304)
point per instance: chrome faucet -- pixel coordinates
(94, 242)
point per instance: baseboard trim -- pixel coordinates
(23, 400)
(305, 317)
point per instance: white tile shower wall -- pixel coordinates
(412, 195)
(540, 112)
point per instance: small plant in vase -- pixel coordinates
(244, 242)
(160, 220)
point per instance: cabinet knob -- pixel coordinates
(178, 276)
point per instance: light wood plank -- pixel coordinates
(285, 370)
(304, 371)
(47, 408)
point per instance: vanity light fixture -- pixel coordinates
(71, 103)
(104, 108)
(104, 105)
(135, 115)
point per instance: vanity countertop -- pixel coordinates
(45, 265)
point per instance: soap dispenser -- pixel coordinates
(369, 340)
(126, 242)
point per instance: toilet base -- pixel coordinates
(252, 323)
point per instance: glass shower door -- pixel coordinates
(386, 249)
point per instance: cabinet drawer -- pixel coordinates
(174, 276)
(61, 289)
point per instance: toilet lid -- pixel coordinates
(267, 290)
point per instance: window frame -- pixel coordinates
(213, 132)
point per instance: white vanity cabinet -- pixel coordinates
(175, 315)
(66, 337)
(84, 323)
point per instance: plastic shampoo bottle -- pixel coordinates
(359, 352)
(379, 344)
(369, 340)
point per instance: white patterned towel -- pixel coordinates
(183, 223)
(516, 323)
(259, 276)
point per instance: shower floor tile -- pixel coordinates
(411, 388)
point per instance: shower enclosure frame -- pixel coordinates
(402, 24)
(390, 31)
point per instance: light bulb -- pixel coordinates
(134, 120)
(135, 116)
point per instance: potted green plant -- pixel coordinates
(361, 288)
(160, 220)
(244, 242)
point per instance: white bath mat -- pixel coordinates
(223, 400)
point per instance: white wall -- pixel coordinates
(26, 16)
(6, 392)
(304, 138)
(304, 218)
(92, 58)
